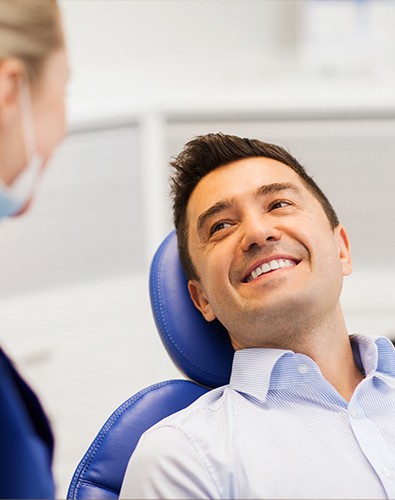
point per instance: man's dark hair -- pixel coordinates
(205, 153)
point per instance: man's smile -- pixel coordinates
(269, 265)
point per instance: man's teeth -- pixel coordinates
(270, 266)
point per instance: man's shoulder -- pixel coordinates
(170, 460)
(194, 415)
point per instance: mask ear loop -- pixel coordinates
(25, 102)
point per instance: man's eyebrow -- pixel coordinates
(213, 210)
(276, 187)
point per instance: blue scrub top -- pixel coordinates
(26, 440)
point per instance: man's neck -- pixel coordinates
(337, 365)
(328, 344)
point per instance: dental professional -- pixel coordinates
(33, 75)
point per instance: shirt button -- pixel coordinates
(354, 413)
(389, 472)
(302, 369)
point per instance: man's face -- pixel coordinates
(267, 258)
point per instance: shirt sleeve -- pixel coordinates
(166, 464)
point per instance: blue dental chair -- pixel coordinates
(201, 350)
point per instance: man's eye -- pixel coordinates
(218, 226)
(279, 204)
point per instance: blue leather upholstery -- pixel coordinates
(200, 349)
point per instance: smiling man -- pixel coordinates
(309, 411)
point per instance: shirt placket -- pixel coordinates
(371, 439)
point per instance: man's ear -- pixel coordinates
(200, 299)
(11, 73)
(343, 244)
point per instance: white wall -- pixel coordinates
(133, 55)
(150, 51)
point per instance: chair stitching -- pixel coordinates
(85, 482)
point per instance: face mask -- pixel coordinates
(13, 198)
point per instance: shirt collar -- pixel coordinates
(375, 354)
(256, 370)
(252, 369)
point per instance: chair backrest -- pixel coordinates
(201, 350)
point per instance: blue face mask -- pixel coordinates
(8, 206)
(13, 198)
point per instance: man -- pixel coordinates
(309, 411)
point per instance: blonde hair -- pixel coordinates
(30, 30)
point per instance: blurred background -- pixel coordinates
(315, 76)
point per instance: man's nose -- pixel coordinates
(258, 231)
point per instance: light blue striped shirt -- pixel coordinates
(278, 430)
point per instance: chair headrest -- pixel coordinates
(201, 350)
